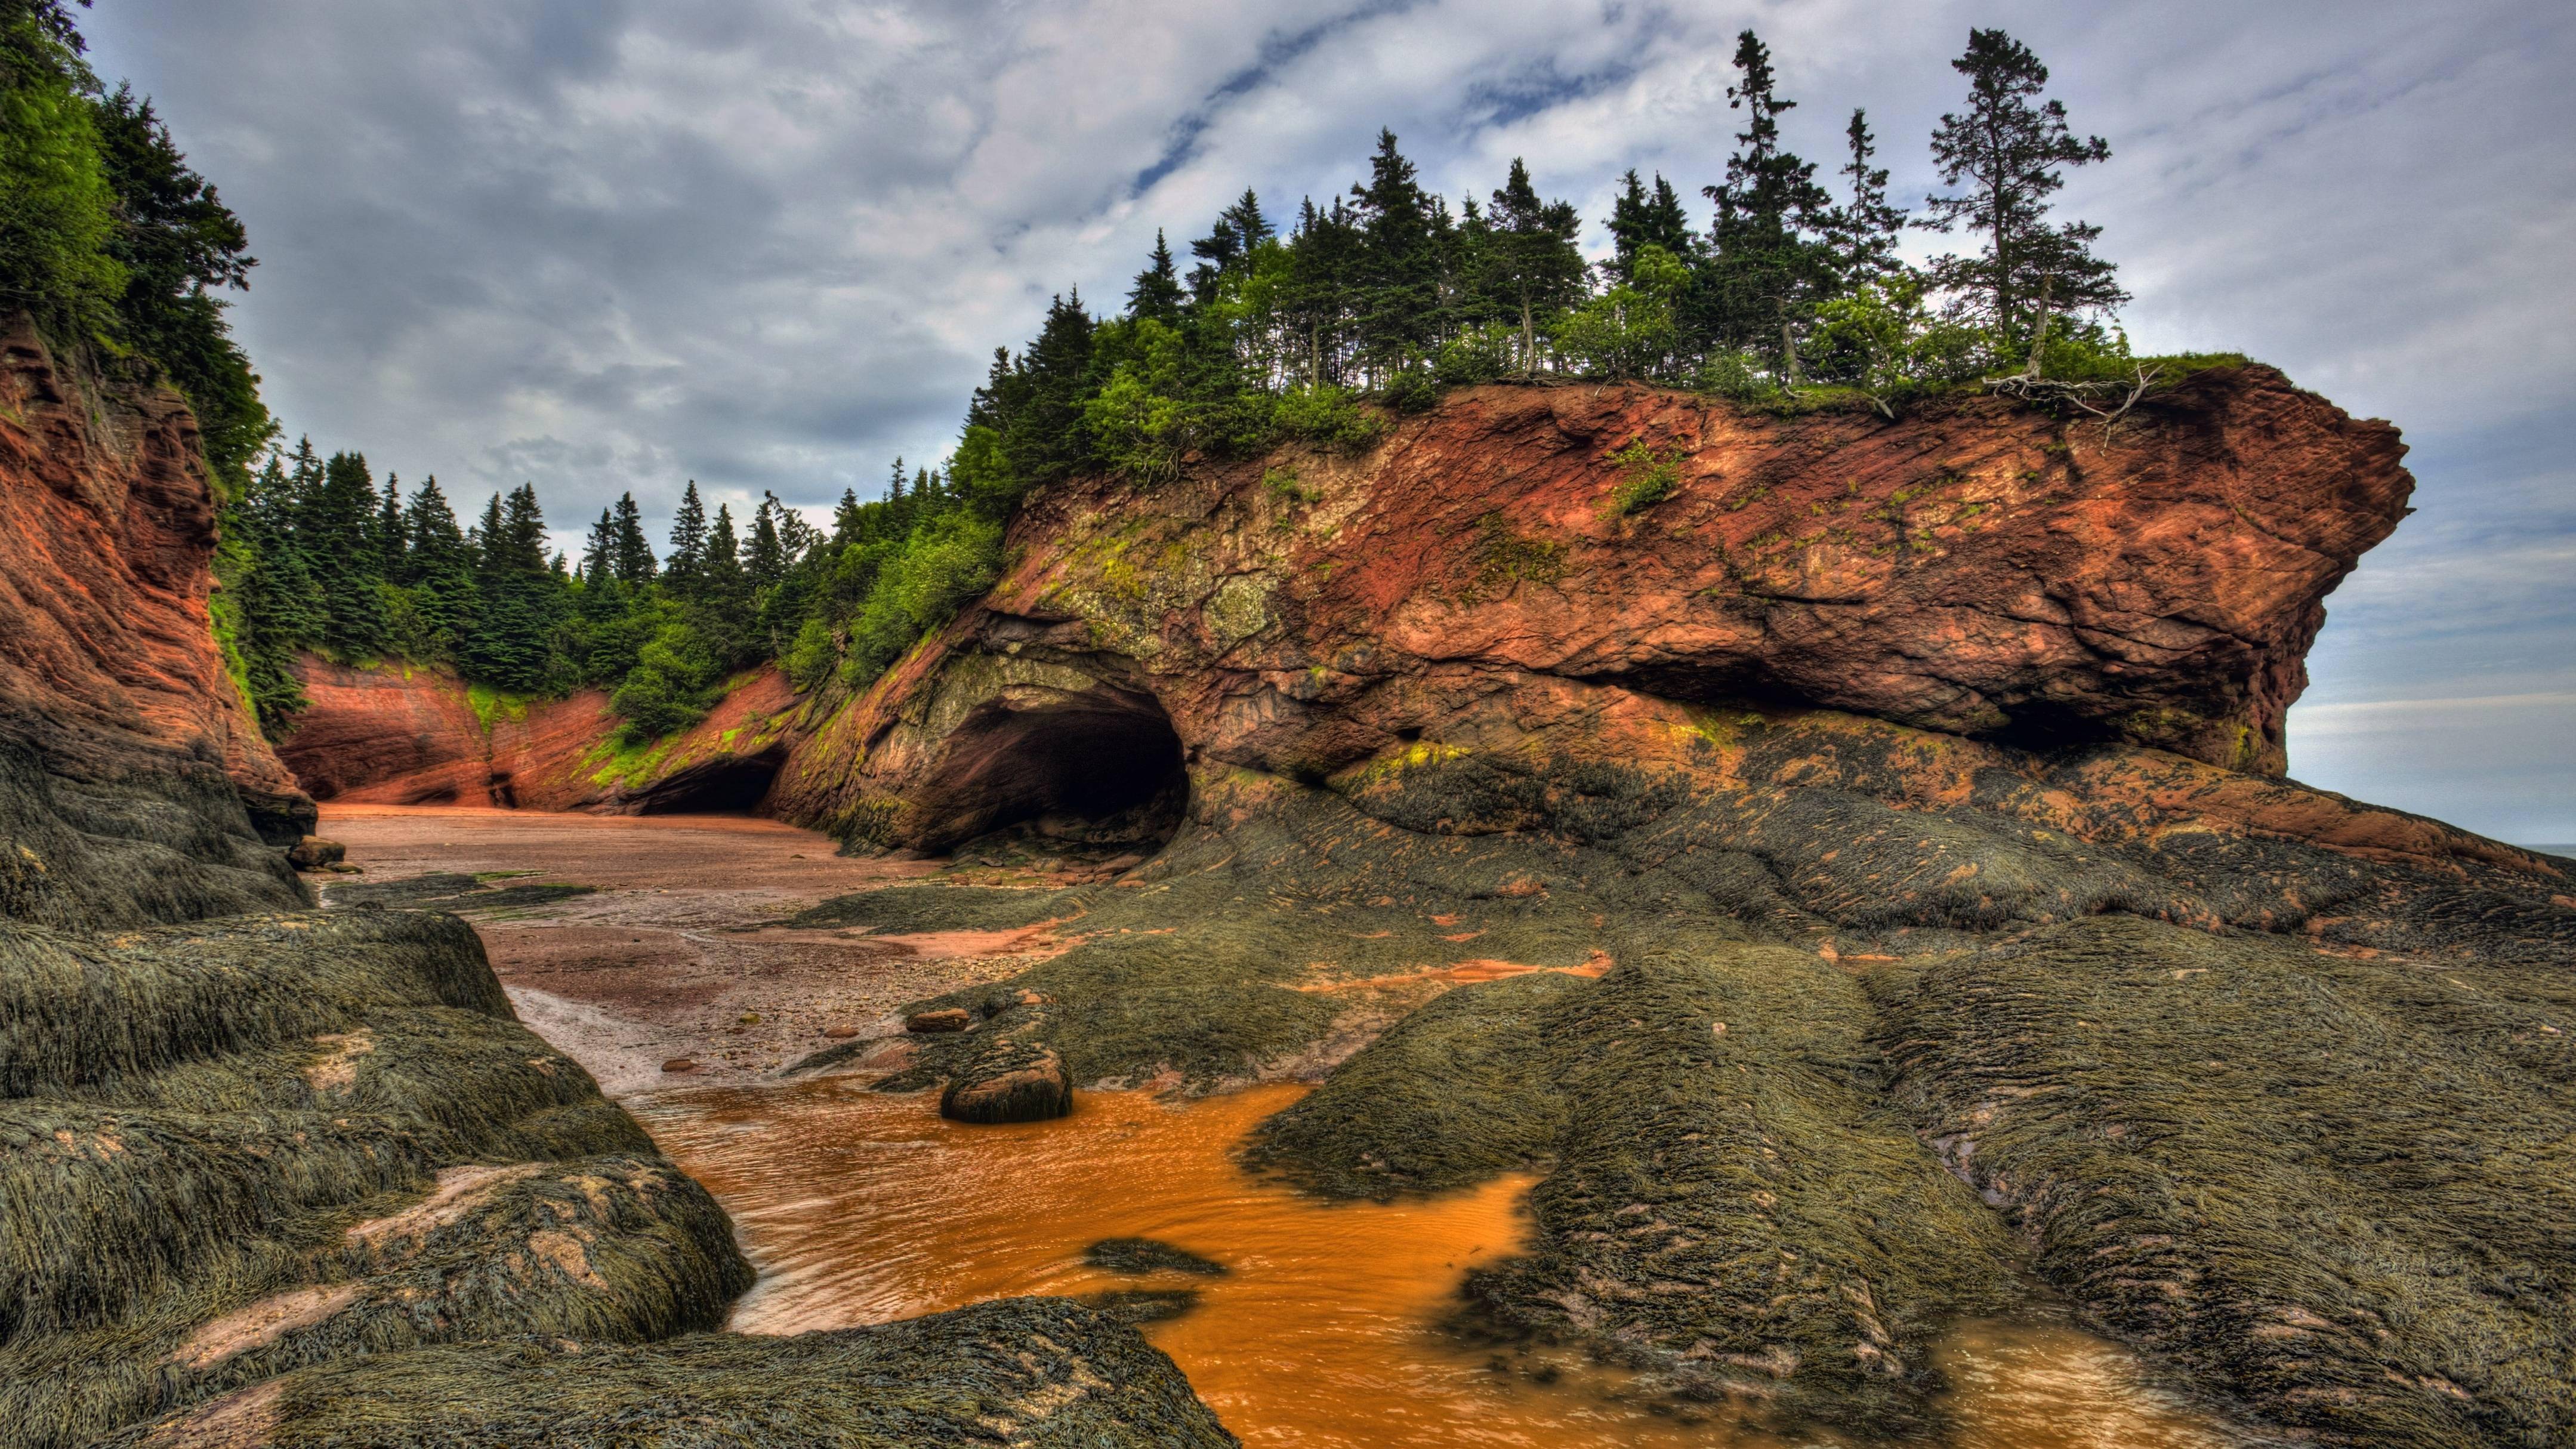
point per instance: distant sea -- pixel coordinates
(2565, 850)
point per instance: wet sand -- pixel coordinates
(677, 955)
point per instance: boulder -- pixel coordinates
(315, 853)
(1011, 1082)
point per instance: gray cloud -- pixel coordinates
(770, 245)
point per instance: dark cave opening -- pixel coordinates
(733, 785)
(1098, 769)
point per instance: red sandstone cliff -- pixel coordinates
(134, 785)
(107, 534)
(1979, 568)
(404, 735)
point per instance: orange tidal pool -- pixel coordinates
(859, 1207)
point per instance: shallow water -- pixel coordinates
(859, 1207)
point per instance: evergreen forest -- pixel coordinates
(1777, 287)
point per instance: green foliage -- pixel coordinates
(672, 686)
(1328, 417)
(1884, 341)
(1646, 477)
(1632, 329)
(1283, 485)
(1483, 354)
(940, 568)
(1137, 423)
(57, 209)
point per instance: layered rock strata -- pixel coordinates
(1914, 793)
(138, 786)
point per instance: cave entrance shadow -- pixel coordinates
(733, 785)
(1102, 768)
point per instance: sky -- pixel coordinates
(611, 245)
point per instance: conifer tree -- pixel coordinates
(766, 560)
(434, 552)
(599, 558)
(723, 559)
(687, 558)
(1398, 261)
(633, 559)
(390, 532)
(1157, 292)
(1316, 302)
(509, 642)
(1865, 229)
(1239, 229)
(846, 520)
(1044, 438)
(1641, 219)
(1769, 267)
(2012, 155)
(1529, 263)
(338, 531)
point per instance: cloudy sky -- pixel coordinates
(770, 244)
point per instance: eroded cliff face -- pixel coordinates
(1980, 568)
(400, 734)
(1914, 792)
(140, 787)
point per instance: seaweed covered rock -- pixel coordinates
(2341, 1185)
(238, 1147)
(1142, 1256)
(1038, 1372)
(1011, 1075)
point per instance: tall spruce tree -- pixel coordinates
(1529, 266)
(1640, 218)
(1398, 261)
(509, 642)
(390, 533)
(687, 559)
(338, 530)
(1769, 265)
(2012, 155)
(766, 559)
(599, 559)
(1043, 438)
(1865, 228)
(633, 559)
(1323, 283)
(1157, 293)
(1239, 229)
